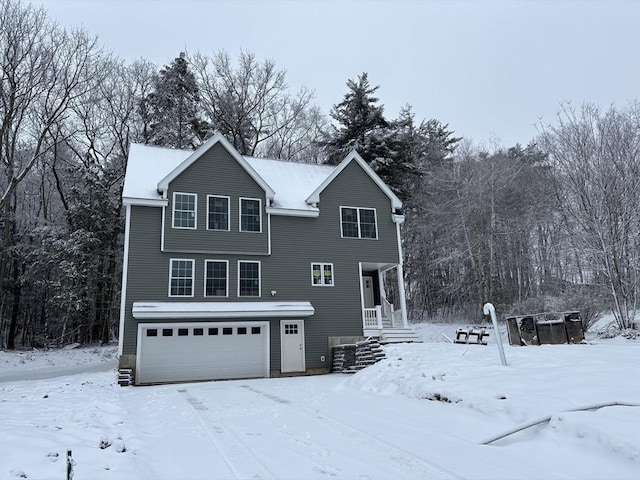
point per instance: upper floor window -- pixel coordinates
(216, 278)
(181, 277)
(184, 210)
(250, 215)
(322, 274)
(248, 279)
(217, 212)
(358, 222)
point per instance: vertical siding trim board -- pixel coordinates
(125, 267)
(361, 296)
(400, 275)
(164, 211)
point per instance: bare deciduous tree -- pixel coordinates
(250, 104)
(597, 157)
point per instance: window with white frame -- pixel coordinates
(216, 278)
(181, 277)
(322, 274)
(248, 279)
(184, 210)
(357, 222)
(250, 215)
(217, 212)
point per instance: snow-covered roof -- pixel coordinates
(291, 188)
(159, 310)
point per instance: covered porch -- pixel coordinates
(383, 298)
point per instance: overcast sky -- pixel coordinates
(490, 69)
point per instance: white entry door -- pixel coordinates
(367, 289)
(292, 345)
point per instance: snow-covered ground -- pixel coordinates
(421, 413)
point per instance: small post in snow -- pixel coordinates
(489, 309)
(70, 464)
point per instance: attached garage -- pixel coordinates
(225, 343)
(180, 352)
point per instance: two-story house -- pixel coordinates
(240, 267)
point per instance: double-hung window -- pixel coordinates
(216, 278)
(181, 277)
(250, 215)
(217, 212)
(322, 274)
(184, 210)
(358, 222)
(248, 279)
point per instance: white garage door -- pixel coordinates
(177, 352)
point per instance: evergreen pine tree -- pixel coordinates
(171, 110)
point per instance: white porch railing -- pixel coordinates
(373, 317)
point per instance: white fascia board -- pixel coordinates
(145, 202)
(182, 310)
(163, 185)
(290, 212)
(314, 198)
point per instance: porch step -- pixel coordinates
(353, 358)
(125, 377)
(399, 335)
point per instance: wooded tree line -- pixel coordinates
(550, 226)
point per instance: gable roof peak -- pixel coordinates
(217, 137)
(354, 156)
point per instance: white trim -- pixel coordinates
(163, 223)
(300, 324)
(163, 185)
(400, 275)
(361, 294)
(195, 211)
(123, 289)
(268, 234)
(185, 310)
(240, 199)
(396, 218)
(259, 279)
(145, 202)
(228, 214)
(360, 237)
(193, 276)
(291, 212)
(353, 156)
(204, 291)
(322, 284)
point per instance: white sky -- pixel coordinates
(491, 69)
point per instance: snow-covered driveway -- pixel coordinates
(382, 423)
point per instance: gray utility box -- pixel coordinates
(545, 328)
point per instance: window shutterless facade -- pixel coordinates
(322, 274)
(217, 212)
(248, 279)
(357, 222)
(181, 274)
(185, 210)
(216, 278)
(250, 215)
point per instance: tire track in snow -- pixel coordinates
(381, 448)
(238, 457)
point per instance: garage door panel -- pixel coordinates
(222, 351)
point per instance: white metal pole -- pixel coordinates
(490, 309)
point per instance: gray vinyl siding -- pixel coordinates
(296, 243)
(215, 173)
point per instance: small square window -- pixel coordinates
(167, 332)
(198, 332)
(227, 331)
(213, 331)
(183, 332)
(152, 332)
(242, 330)
(255, 330)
